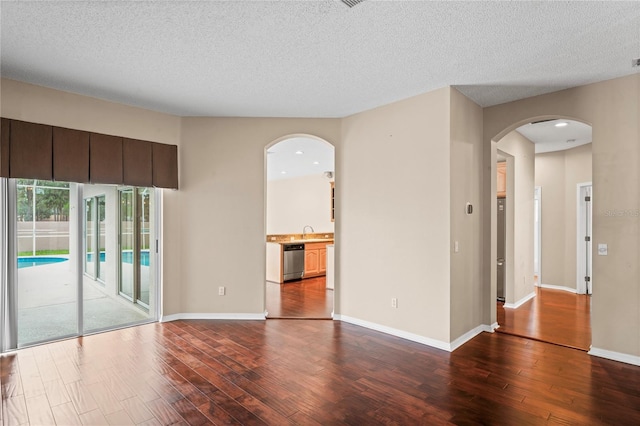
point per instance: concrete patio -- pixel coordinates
(47, 307)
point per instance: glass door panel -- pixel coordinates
(47, 274)
(144, 253)
(89, 242)
(127, 243)
(102, 226)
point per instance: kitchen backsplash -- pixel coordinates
(281, 238)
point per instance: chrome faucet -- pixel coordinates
(304, 230)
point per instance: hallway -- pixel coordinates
(303, 299)
(553, 316)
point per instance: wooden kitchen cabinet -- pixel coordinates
(322, 255)
(501, 187)
(315, 259)
(311, 262)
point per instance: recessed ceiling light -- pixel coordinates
(283, 172)
(562, 124)
(299, 152)
(316, 162)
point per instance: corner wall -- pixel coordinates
(393, 220)
(466, 187)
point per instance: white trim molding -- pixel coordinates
(615, 356)
(434, 343)
(521, 301)
(558, 287)
(229, 316)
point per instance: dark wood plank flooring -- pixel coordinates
(281, 372)
(553, 316)
(308, 298)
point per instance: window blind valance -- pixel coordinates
(38, 151)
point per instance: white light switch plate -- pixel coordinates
(602, 249)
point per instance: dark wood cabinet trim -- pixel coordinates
(70, 155)
(105, 159)
(5, 138)
(39, 151)
(31, 151)
(165, 165)
(136, 160)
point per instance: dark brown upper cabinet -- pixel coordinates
(31, 153)
(105, 159)
(137, 166)
(5, 131)
(70, 155)
(165, 166)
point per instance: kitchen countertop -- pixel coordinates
(309, 240)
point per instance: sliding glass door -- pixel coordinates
(47, 279)
(137, 245)
(75, 259)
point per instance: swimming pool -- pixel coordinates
(29, 261)
(127, 257)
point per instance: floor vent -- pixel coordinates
(351, 3)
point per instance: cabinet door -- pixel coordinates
(322, 256)
(501, 187)
(311, 263)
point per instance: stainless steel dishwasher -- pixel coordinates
(293, 261)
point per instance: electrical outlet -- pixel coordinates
(394, 302)
(221, 291)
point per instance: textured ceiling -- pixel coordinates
(313, 58)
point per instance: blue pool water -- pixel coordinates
(29, 261)
(127, 257)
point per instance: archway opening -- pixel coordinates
(300, 225)
(543, 172)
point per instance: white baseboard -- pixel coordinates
(434, 343)
(558, 287)
(470, 335)
(615, 356)
(521, 301)
(229, 316)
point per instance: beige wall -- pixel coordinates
(222, 208)
(550, 170)
(296, 202)
(393, 221)
(558, 174)
(466, 186)
(519, 217)
(612, 108)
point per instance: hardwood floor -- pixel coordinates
(308, 298)
(308, 373)
(553, 316)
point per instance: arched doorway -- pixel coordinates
(299, 223)
(543, 164)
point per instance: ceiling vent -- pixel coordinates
(351, 3)
(635, 63)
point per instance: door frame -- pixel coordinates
(581, 244)
(537, 236)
